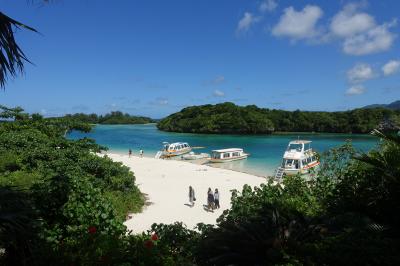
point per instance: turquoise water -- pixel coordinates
(265, 150)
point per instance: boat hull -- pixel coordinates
(176, 153)
(302, 171)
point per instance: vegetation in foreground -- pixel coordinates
(56, 209)
(115, 117)
(228, 118)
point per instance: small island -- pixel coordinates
(228, 118)
(112, 118)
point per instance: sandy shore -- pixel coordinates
(166, 184)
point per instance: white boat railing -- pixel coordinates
(279, 173)
(158, 155)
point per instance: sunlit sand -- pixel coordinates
(166, 185)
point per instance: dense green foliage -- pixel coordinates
(56, 189)
(115, 117)
(230, 118)
(348, 214)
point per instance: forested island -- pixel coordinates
(112, 118)
(228, 118)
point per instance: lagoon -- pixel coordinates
(266, 151)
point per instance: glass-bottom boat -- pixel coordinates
(227, 155)
(173, 149)
(299, 158)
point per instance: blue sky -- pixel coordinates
(155, 57)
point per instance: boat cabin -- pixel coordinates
(175, 147)
(227, 155)
(299, 157)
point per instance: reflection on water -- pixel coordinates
(266, 151)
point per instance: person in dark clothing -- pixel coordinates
(192, 197)
(210, 200)
(216, 198)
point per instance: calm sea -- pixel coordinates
(266, 150)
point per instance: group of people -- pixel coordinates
(212, 198)
(140, 153)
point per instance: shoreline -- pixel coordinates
(165, 184)
(189, 161)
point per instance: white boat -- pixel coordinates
(299, 158)
(227, 155)
(194, 156)
(173, 149)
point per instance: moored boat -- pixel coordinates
(194, 156)
(299, 158)
(173, 149)
(227, 155)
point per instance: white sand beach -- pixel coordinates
(166, 184)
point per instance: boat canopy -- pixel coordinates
(228, 150)
(300, 142)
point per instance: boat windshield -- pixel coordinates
(291, 164)
(293, 146)
(215, 155)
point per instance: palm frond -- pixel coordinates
(12, 58)
(394, 138)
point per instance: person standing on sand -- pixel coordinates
(130, 152)
(141, 153)
(210, 200)
(216, 198)
(192, 197)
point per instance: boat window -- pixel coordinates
(296, 147)
(235, 154)
(304, 162)
(226, 155)
(289, 163)
(296, 163)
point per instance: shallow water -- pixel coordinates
(265, 150)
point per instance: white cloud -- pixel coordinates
(391, 67)
(360, 73)
(268, 5)
(357, 31)
(298, 24)
(355, 90)
(348, 21)
(160, 101)
(218, 93)
(377, 39)
(215, 81)
(246, 22)
(218, 80)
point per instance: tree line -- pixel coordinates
(114, 117)
(228, 118)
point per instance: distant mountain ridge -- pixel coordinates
(392, 106)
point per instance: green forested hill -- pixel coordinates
(232, 119)
(393, 106)
(115, 117)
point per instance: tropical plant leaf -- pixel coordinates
(12, 57)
